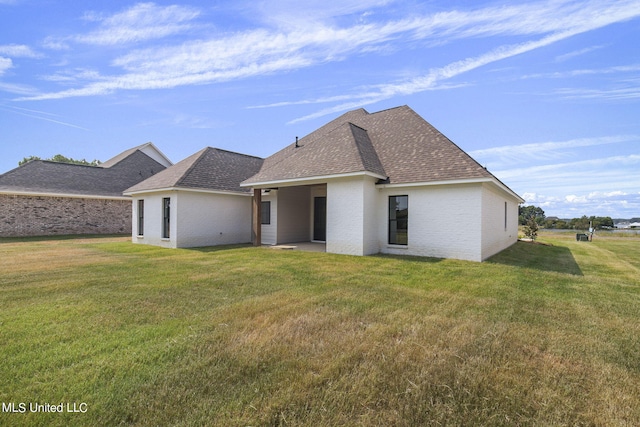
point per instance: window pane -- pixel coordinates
(166, 217)
(265, 215)
(140, 217)
(398, 220)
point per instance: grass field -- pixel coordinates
(542, 334)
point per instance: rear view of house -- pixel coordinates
(364, 183)
(385, 182)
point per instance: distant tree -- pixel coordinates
(601, 222)
(526, 212)
(581, 223)
(61, 159)
(531, 228)
(555, 223)
(28, 159)
(597, 222)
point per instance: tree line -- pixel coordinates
(61, 159)
(529, 214)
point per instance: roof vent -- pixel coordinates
(297, 145)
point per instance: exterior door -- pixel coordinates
(320, 219)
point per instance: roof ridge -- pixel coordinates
(371, 148)
(61, 163)
(235, 152)
(193, 165)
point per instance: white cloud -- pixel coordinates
(263, 50)
(526, 153)
(597, 186)
(630, 92)
(18, 89)
(41, 115)
(579, 52)
(18, 51)
(140, 22)
(632, 68)
(5, 64)
(616, 204)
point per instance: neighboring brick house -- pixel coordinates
(49, 198)
(364, 183)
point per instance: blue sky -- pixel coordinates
(545, 94)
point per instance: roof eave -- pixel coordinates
(488, 180)
(309, 180)
(189, 189)
(67, 195)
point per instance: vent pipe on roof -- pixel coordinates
(297, 142)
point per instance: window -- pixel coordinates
(398, 220)
(265, 213)
(505, 216)
(166, 217)
(140, 217)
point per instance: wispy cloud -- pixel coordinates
(8, 51)
(5, 64)
(579, 52)
(18, 51)
(266, 50)
(614, 173)
(18, 89)
(601, 203)
(618, 69)
(40, 115)
(138, 23)
(526, 153)
(631, 91)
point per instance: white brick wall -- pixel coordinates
(444, 221)
(205, 219)
(153, 220)
(197, 219)
(463, 221)
(495, 236)
(352, 216)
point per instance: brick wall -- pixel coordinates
(44, 216)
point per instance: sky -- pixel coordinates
(545, 94)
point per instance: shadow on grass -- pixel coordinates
(411, 258)
(538, 256)
(208, 249)
(60, 237)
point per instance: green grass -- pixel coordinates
(541, 334)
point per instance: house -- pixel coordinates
(49, 198)
(196, 202)
(364, 183)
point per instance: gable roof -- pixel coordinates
(397, 144)
(210, 169)
(148, 148)
(47, 177)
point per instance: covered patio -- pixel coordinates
(302, 246)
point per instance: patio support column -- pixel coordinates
(257, 217)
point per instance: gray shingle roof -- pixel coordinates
(208, 169)
(146, 146)
(342, 149)
(396, 143)
(41, 176)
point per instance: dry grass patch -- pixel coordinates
(249, 336)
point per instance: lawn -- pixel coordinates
(541, 334)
